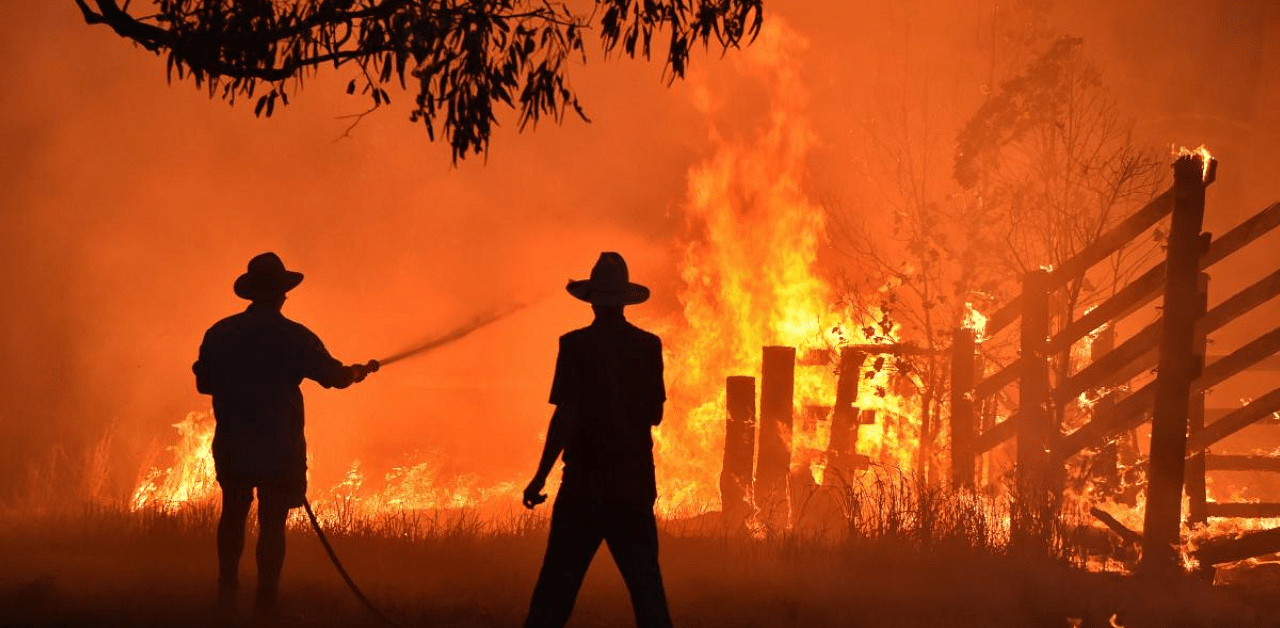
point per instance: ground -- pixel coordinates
(121, 569)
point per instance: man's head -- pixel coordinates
(610, 286)
(266, 281)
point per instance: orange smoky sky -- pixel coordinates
(130, 205)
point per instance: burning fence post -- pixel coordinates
(739, 447)
(1036, 430)
(963, 345)
(773, 464)
(842, 455)
(1163, 520)
(1197, 491)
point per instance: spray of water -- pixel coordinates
(458, 333)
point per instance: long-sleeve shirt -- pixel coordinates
(253, 363)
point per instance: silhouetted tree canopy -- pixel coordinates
(462, 56)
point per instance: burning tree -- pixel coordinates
(1043, 166)
(465, 57)
(1051, 166)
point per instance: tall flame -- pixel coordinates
(751, 279)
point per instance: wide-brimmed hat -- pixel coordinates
(266, 277)
(609, 284)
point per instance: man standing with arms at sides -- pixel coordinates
(608, 392)
(253, 363)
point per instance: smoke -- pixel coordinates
(130, 206)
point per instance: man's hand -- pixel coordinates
(533, 494)
(363, 370)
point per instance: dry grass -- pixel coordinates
(893, 555)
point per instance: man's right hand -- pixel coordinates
(533, 494)
(363, 370)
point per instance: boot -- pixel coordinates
(266, 603)
(228, 591)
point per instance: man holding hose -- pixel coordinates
(253, 363)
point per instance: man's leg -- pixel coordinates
(236, 500)
(632, 535)
(575, 536)
(273, 511)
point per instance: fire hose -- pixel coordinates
(375, 365)
(342, 571)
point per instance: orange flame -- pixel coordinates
(1199, 151)
(975, 321)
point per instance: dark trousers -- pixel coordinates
(273, 511)
(578, 525)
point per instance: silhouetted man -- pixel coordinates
(608, 392)
(253, 363)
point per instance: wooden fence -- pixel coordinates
(1174, 345)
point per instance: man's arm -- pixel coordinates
(551, 450)
(204, 379)
(658, 391)
(327, 370)
(563, 393)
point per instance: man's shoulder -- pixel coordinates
(646, 334)
(246, 319)
(642, 335)
(298, 331)
(576, 335)
(635, 338)
(227, 323)
(292, 324)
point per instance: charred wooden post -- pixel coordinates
(963, 457)
(842, 455)
(1035, 428)
(1163, 520)
(1197, 491)
(773, 463)
(737, 474)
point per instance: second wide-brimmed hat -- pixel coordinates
(610, 284)
(265, 278)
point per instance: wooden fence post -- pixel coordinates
(963, 463)
(773, 464)
(738, 472)
(1162, 523)
(1197, 491)
(842, 458)
(1035, 500)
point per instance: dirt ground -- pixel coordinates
(110, 571)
